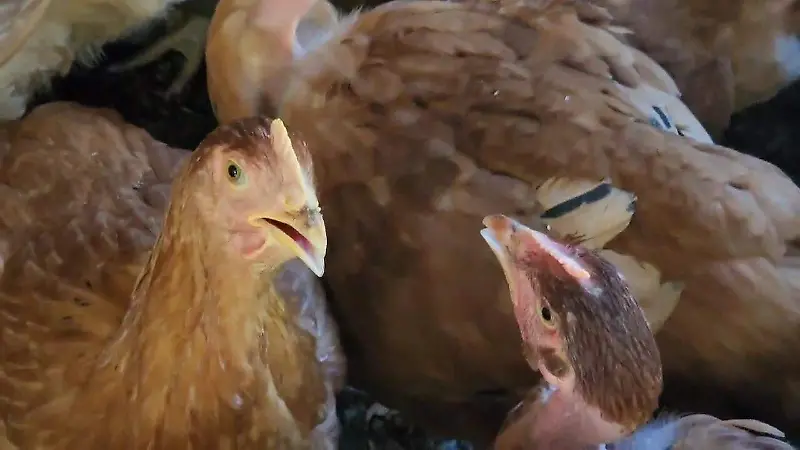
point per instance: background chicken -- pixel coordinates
(423, 117)
(89, 345)
(249, 27)
(41, 38)
(566, 301)
(724, 55)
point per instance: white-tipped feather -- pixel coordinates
(594, 222)
(594, 212)
(555, 191)
(657, 299)
(679, 120)
(755, 425)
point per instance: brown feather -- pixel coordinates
(724, 55)
(423, 117)
(197, 350)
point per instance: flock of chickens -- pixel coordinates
(528, 230)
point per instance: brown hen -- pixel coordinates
(425, 116)
(201, 342)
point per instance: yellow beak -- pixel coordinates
(308, 241)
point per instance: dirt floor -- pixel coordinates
(767, 131)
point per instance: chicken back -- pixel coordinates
(725, 55)
(94, 355)
(425, 116)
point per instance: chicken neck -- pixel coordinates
(192, 346)
(555, 420)
(282, 15)
(278, 22)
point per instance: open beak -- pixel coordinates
(307, 242)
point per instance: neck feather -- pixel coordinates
(197, 317)
(188, 367)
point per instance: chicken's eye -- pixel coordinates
(235, 173)
(547, 316)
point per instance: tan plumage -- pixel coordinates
(425, 116)
(725, 55)
(42, 38)
(103, 345)
(237, 40)
(703, 432)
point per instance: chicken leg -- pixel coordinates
(189, 28)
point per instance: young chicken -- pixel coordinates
(42, 38)
(724, 55)
(703, 432)
(584, 332)
(425, 116)
(200, 343)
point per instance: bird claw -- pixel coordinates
(189, 39)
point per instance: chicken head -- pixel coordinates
(585, 333)
(245, 177)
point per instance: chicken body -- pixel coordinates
(42, 38)
(724, 55)
(105, 345)
(424, 117)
